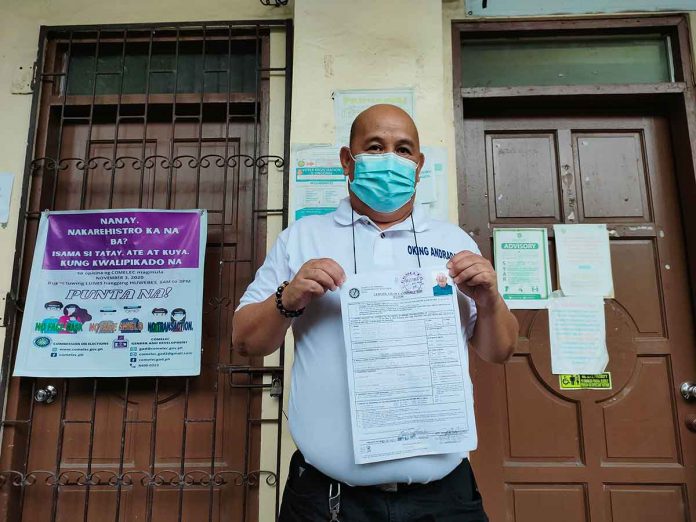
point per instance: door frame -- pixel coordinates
(259, 378)
(677, 99)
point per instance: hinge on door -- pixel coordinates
(276, 388)
(34, 76)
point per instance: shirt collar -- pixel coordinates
(344, 215)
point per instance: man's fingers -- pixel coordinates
(464, 254)
(332, 268)
(468, 273)
(314, 288)
(321, 277)
(480, 279)
(464, 260)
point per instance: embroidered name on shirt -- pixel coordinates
(429, 251)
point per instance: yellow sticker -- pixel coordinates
(582, 381)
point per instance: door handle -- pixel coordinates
(688, 390)
(46, 395)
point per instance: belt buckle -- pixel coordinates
(389, 487)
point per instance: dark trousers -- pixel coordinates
(454, 498)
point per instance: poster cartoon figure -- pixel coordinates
(72, 319)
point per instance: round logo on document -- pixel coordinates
(412, 282)
(354, 293)
(42, 342)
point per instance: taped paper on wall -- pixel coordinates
(349, 103)
(584, 260)
(317, 180)
(582, 381)
(432, 187)
(522, 266)
(577, 332)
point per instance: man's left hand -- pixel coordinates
(475, 277)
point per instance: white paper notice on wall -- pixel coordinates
(522, 266)
(577, 332)
(317, 183)
(432, 187)
(584, 260)
(349, 103)
(6, 180)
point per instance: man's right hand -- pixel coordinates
(313, 280)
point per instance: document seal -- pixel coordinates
(412, 283)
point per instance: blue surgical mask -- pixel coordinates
(384, 182)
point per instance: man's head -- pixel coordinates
(441, 279)
(382, 129)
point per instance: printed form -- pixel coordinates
(410, 392)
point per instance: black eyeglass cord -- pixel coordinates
(355, 257)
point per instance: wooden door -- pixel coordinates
(169, 116)
(151, 449)
(622, 455)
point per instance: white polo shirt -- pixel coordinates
(319, 411)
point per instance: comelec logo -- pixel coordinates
(42, 342)
(354, 293)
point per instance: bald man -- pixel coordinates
(378, 227)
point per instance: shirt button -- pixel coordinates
(382, 235)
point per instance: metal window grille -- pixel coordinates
(151, 116)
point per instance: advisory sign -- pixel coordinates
(115, 293)
(522, 266)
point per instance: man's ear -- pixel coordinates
(421, 162)
(346, 162)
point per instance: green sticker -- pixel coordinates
(582, 381)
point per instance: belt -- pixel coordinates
(392, 487)
(389, 487)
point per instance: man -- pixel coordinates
(377, 228)
(442, 287)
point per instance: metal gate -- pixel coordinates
(153, 116)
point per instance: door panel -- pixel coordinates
(611, 176)
(514, 162)
(530, 500)
(617, 455)
(647, 503)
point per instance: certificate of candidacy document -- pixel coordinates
(407, 365)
